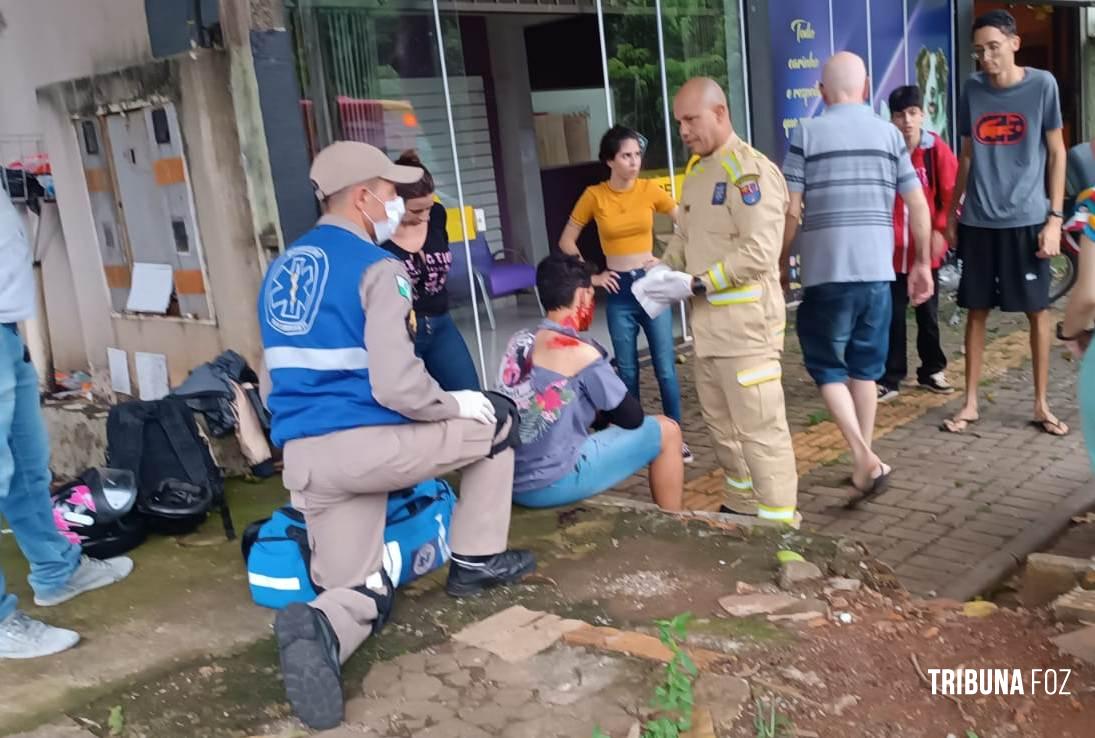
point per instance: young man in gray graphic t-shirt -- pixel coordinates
(1009, 226)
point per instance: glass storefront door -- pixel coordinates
(508, 120)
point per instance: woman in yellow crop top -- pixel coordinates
(623, 208)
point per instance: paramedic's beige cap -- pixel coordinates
(346, 163)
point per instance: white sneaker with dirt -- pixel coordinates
(90, 574)
(23, 637)
(886, 393)
(938, 384)
(687, 454)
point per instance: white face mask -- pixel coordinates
(394, 210)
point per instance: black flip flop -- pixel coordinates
(1042, 426)
(878, 486)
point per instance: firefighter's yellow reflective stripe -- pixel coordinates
(692, 161)
(742, 484)
(763, 373)
(735, 168)
(736, 296)
(780, 331)
(784, 514)
(717, 275)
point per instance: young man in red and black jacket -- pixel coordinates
(938, 169)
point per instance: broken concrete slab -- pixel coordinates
(1077, 606)
(794, 573)
(1078, 643)
(741, 606)
(725, 697)
(60, 729)
(517, 633)
(635, 644)
(772, 605)
(1047, 576)
(844, 584)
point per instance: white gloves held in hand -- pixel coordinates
(660, 288)
(474, 406)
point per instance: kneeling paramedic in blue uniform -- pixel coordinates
(359, 417)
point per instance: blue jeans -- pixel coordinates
(25, 478)
(844, 331)
(625, 317)
(607, 458)
(442, 349)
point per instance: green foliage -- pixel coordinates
(116, 721)
(673, 699)
(772, 725)
(817, 418)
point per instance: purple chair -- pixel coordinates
(496, 278)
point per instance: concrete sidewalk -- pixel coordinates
(961, 509)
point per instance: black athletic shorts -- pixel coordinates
(1001, 268)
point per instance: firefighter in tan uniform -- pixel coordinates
(730, 232)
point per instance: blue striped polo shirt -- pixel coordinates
(849, 164)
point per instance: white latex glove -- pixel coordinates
(672, 287)
(474, 406)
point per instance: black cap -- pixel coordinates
(906, 97)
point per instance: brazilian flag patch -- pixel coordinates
(404, 288)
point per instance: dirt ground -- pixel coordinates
(861, 680)
(625, 569)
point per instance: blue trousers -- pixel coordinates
(607, 458)
(625, 317)
(442, 349)
(25, 478)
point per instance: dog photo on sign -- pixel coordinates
(931, 78)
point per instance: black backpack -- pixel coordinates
(178, 482)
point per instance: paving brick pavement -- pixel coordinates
(953, 499)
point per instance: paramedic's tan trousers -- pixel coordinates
(340, 481)
(742, 403)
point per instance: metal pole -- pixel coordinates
(459, 189)
(604, 61)
(668, 135)
(745, 77)
(870, 57)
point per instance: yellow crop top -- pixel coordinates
(625, 220)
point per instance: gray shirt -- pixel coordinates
(1007, 180)
(16, 270)
(849, 164)
(557, 421)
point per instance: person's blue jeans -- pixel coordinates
(844, 331)
(606, 459)
(625, 317)
(443, 351)
(25, 478)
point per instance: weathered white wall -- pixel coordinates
(47, 45)
(45, 41)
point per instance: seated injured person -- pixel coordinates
(562, 383)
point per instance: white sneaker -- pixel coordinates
(23, 637)
(91, 574)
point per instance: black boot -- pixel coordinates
(310, 666)
(470, 575)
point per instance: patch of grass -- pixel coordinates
(817, 418)
(771, 723)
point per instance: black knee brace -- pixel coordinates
(384, 602)
(504, 410)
